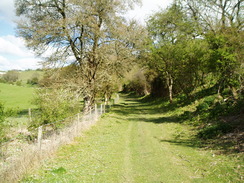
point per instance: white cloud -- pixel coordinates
(14, 54)
(7, 11)
(148, 8)
(28, 63)
(18, 64)
(4, 64)
(14, 46)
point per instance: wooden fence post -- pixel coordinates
(90, 116)
(78, 117)
(29, 112)
(117, 98)
(39, 137)
(101, 110)
(77, 123)
(95, 111)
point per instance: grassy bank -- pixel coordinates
(139, 142)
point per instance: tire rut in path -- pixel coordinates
(127, 156)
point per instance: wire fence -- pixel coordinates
(17, 158)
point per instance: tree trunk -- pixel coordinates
(170, 87)
(146, 92)
(88, 104)
(89, 98)
(106, 99)
(171, 92)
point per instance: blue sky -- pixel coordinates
(14, 54)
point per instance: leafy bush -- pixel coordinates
(11, 76)
(202, 107)
(33, 81)
(19, 83)
(186, 115)
(54, 105)
(3, 126)
(214, 130)
(2, 118)
(227, 108)
(209, 100)
(2, 80)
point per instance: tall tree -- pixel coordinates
(222, 26)
(216, 14)
(173, 54)
(85, 34)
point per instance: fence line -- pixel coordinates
(17, 158)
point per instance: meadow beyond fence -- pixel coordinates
(19, 157)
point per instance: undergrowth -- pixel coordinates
(217, 121)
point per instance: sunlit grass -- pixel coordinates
(16, 96)
(138, 142)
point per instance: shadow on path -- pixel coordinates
(136, 110)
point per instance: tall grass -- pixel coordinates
(16, 164)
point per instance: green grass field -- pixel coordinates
(138, 142)
(16, 96)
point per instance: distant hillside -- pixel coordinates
(24, 76)
(29, 74)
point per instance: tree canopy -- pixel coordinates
(91, 35)
(186, 45)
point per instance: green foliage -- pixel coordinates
(228, 107)
(214, 130)
(2, 80)
(2, 119)
(224, 59)
(202, 107)
(176, 54)
(59, 170)
(190, 58)
(87, 32)
(54, 105)
(19, 83)
(4, 114)
(186, 115)
(33, 81)
(11, 76)
(209, 100)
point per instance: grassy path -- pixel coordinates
(137, 142)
